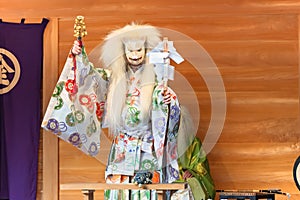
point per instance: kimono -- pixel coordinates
(139, 145)
(76, 114)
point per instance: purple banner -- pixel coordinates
(21, 61)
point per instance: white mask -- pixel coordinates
(134, 51)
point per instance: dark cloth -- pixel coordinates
(21, 61)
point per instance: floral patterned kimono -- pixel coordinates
(75, 114)
(139, 145)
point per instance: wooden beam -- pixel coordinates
(129, 186)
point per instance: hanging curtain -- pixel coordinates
(21, 61)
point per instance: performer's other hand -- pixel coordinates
(187, 174)
(167, 96)
(76, 49)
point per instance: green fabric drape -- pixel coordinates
(195, 161)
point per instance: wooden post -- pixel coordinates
(50, 141)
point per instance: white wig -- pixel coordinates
(113, 57)
(113, 48)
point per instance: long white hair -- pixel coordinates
(113, 57)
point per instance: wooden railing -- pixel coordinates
(88, 189)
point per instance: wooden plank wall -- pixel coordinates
(255, 45)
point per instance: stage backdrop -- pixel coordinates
(21, 60)
(255, 45)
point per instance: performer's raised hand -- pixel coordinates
(76, 49)
(167, 96)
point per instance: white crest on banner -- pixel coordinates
(7, 83)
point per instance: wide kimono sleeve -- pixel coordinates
(165, 123)
(75, 110)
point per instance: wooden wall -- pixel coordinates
(254, 44)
